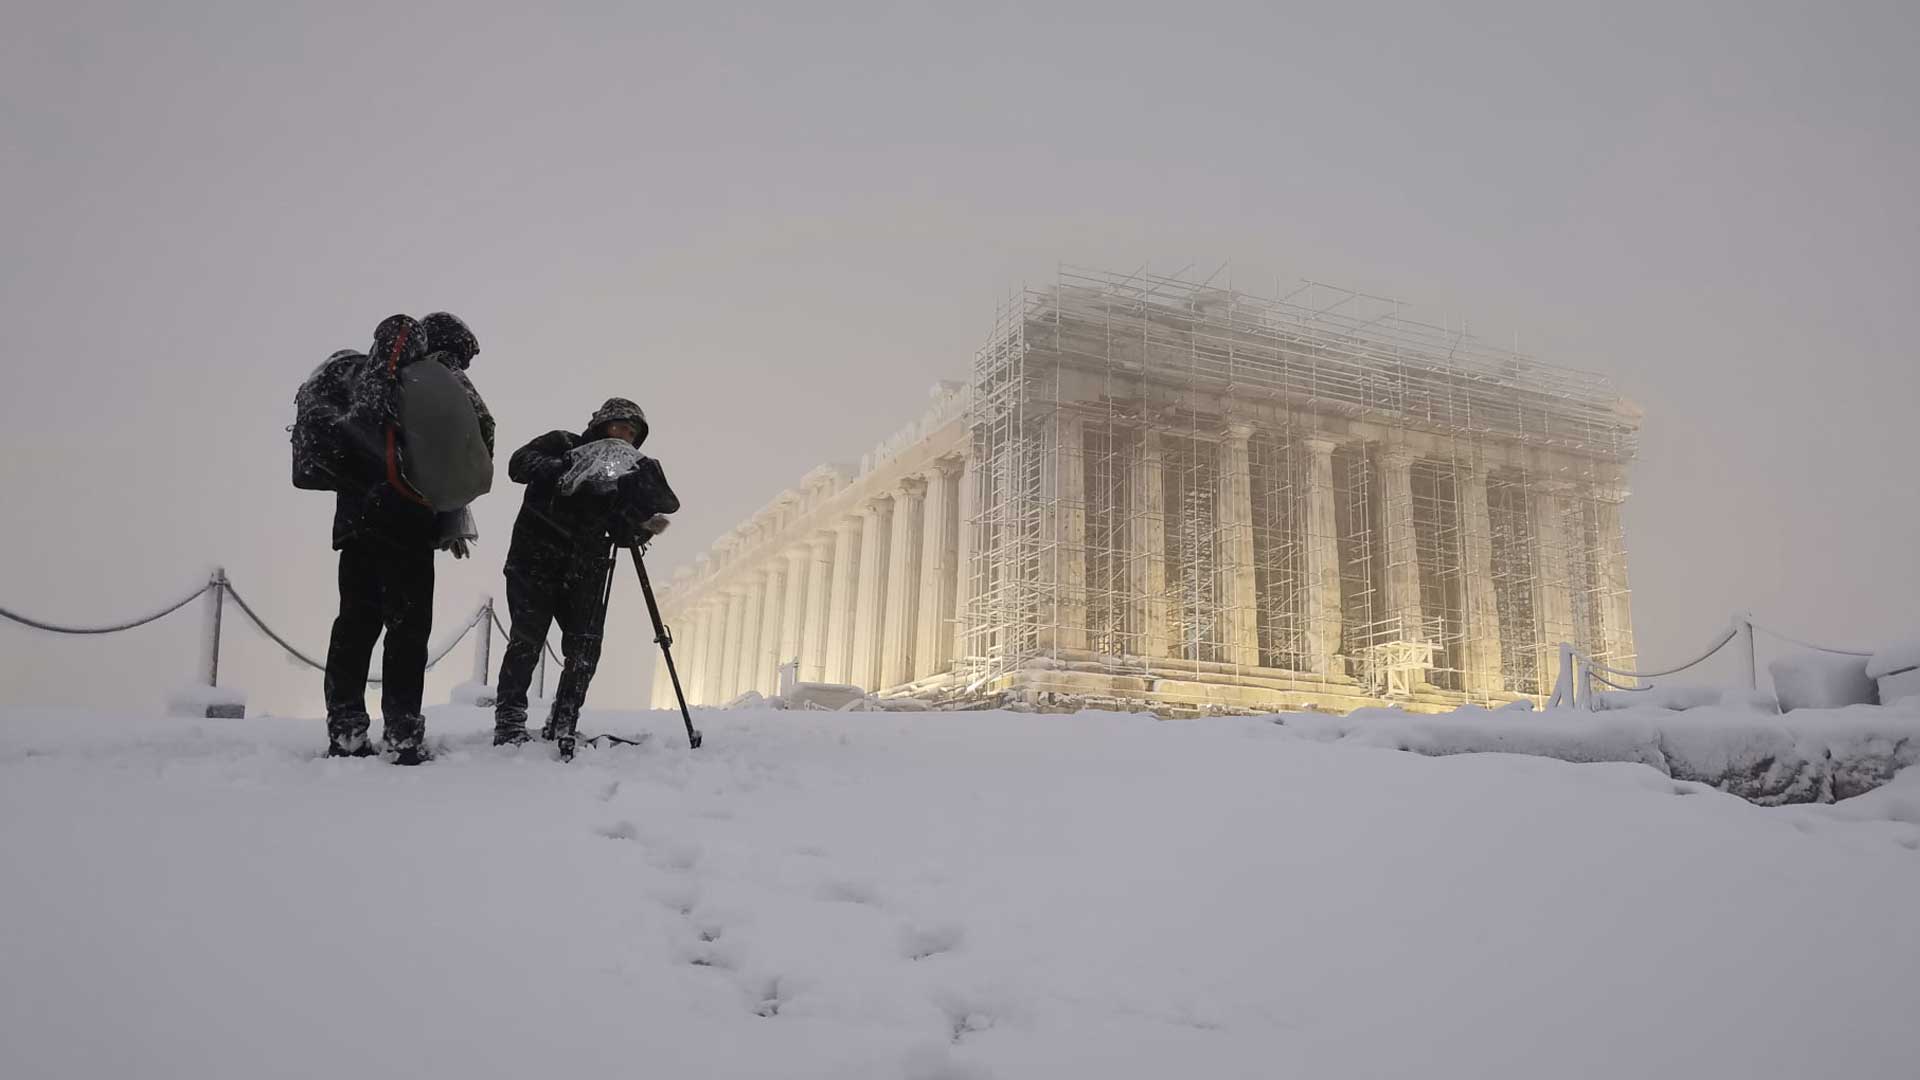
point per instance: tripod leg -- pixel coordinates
(665, 641)
(564, 721)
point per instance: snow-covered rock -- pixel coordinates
(1809, 755)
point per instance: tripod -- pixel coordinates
(661, 635)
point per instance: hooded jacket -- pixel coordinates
(558, 535)
(368, 508)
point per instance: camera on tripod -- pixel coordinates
(639, 496)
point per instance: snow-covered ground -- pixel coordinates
(933, 895)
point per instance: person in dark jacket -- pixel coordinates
(557, 565)
(386, 536)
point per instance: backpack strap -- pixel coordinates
(394, 479)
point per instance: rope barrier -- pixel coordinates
(1594, 668)
(1717, 646)
(1604, 681)
(267, 630)
(454, 644)
(505, 633)
(114, 629)
(317, 665)
(1808, 644)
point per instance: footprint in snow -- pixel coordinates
(682, 898)
(676, 855)
(850, 891)
(620, 830)
(773, 995)
(930, 939)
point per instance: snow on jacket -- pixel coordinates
(368, 508)
(559, 535)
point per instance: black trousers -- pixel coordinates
(537, 600)
(381, 587)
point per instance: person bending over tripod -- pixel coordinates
(585, 496)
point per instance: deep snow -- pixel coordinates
(930, 895)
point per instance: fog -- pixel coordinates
(776, 229)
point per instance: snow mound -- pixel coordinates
(1809, 755)
(1811, 680)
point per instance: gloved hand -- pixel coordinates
(656, 524)
(458, 533)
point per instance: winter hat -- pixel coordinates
(619, 408)
(397, 342)
(447, 333)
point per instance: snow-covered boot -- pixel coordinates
(347, 737)
(562, 723)
(509, 727)
(407, 738)
(352, 746)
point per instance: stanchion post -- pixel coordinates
(207, 700)
(1562, 694)
(483, 643)
(210, 625)
(1743, 648)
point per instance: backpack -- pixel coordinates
(442, 456)
(321, 456)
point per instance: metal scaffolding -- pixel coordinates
(1177, 481)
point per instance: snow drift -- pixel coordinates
(1807, 755)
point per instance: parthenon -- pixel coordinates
(1157, 494)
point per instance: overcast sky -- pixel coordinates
(776, 229)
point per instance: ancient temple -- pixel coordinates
(1156, 494)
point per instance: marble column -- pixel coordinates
(1614, 604)
(843, 600)
(1064, 568)
(1483, 674)
(1239, 595)
(699, 653)
(766, 677)
(1322, 544)
(813, 635)
(793, 606)
(940, 536)
(1553, 582)
(870, 599)
(746, 673)
(900, 628)
(693, 653)
(716, 650)
(736, 624)
(1147, 549)
(1402, 586)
